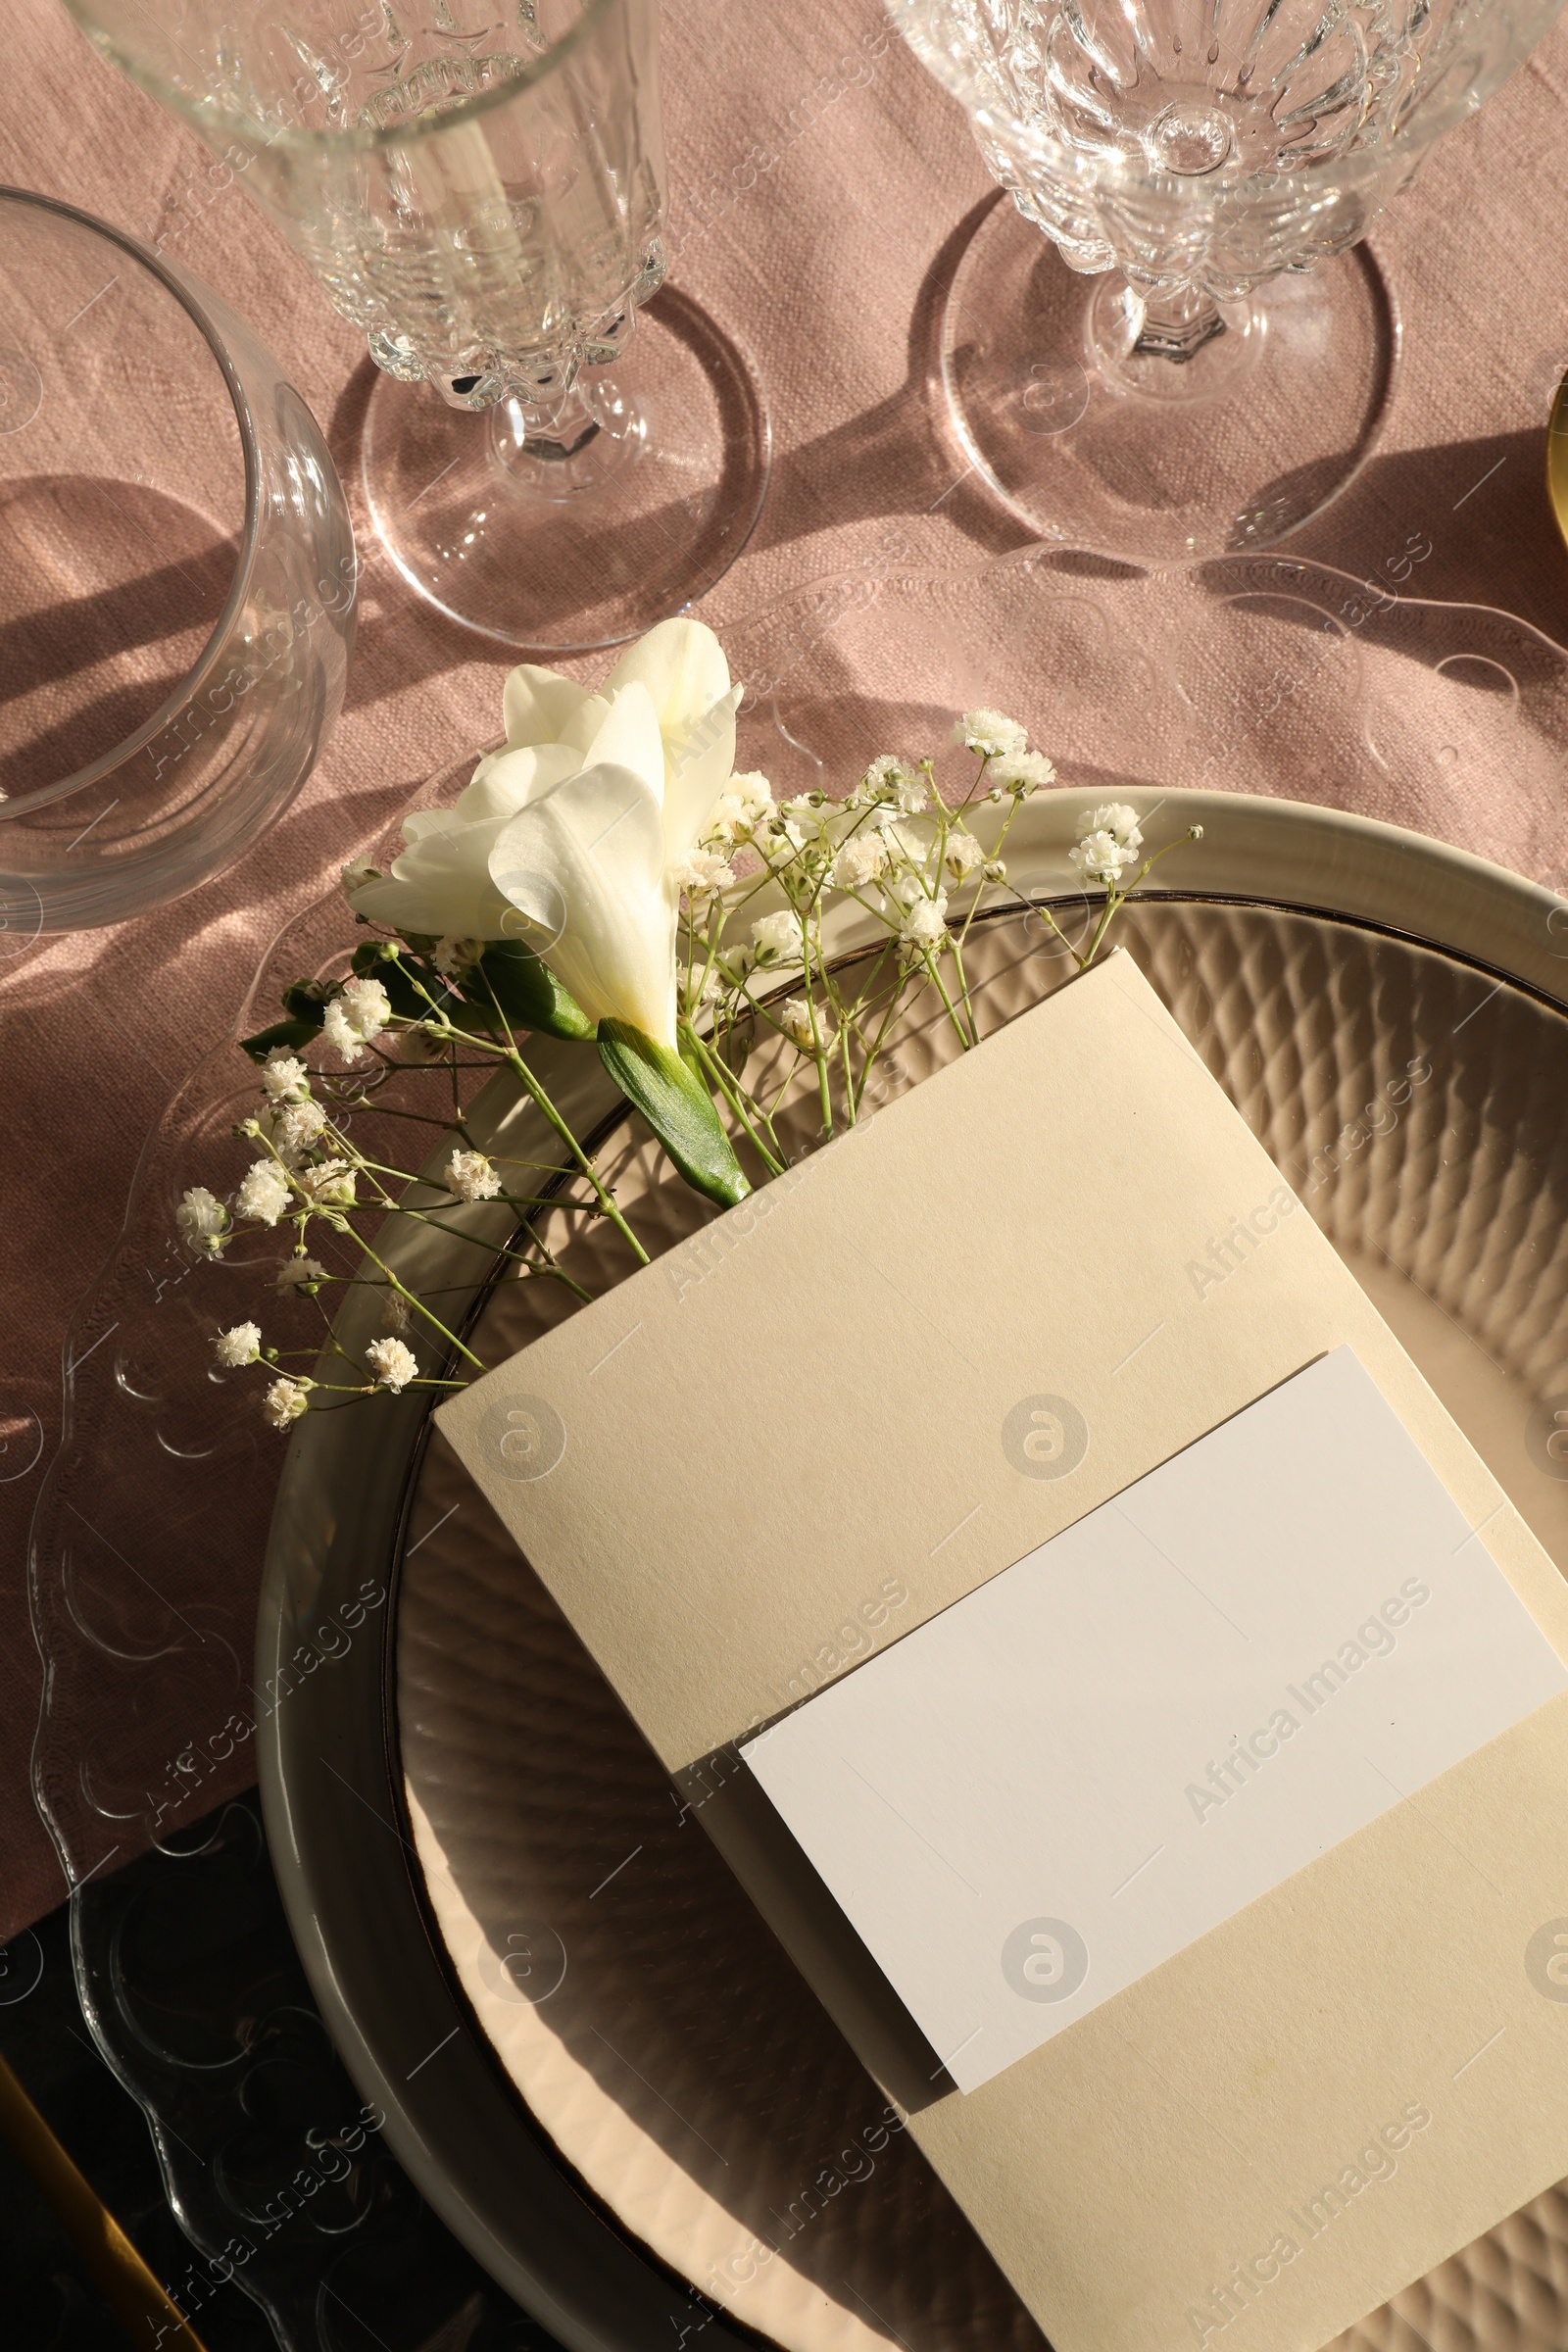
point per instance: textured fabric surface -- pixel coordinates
(821, 184)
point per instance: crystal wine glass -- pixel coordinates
(480, 189)
(1191, 359)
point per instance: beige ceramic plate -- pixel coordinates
(589, 1956)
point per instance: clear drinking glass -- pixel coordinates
(481, 194)
(1190, 360)
(176, 579)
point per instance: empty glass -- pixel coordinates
(1194, 361)
(176, 579)
(483, 194)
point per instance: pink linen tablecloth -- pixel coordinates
(818, 176)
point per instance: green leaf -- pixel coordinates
(282, 1033)
(528, 991)
(677, 1106)
(306, 1001)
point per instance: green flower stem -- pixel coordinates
(607, 1199)
(403, 1291)
(537, 1096)
(717, 1075)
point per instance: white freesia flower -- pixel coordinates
(263, 1192)
(297, 1270)
(778, 938)
(472, 1176)
(925, 924)
(203, 1220)
(285, 1400)
(989, 732)
(446, 880)
(1115, 819)
(590, 861)
(241, 1345)
(394, 1363)
(439, 882)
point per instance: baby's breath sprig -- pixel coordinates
(751, 962)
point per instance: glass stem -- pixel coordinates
(1177, 322)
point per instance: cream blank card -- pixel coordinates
(1112, 1746)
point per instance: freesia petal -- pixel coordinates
(585, 863)
(682, 665)
(509, 780)
(440, 885)
(630, 737)
(537, 705)
(698, 770)
(585, 722)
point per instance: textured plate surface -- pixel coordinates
(637, 2001)
(1266, 677)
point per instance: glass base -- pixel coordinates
(1105, 435)
(567, 537)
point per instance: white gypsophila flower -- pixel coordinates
(883, 780)
(914, 796)
(995, 871)
(745, 803)
(203, 1220)
(338, 1032)
(293, 1127)
(701, 872)
(1100, 857)
(240, 1344)
(454, 956)
(394, 1363)
(472, 1176)
(285, 1400)
(926, 922)
(329, 1185)
(861, 860)
(796, 1022)
(1023, 773)
(294, 1272)
(395, 1316)
(284, 1078)
(779, 938)
(989, 732)
(263, 1192)
(1115, 819)
(355, 875)
(704, 984)
(961, 854)
(368, 1005)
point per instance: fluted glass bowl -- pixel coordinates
(177, 578)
